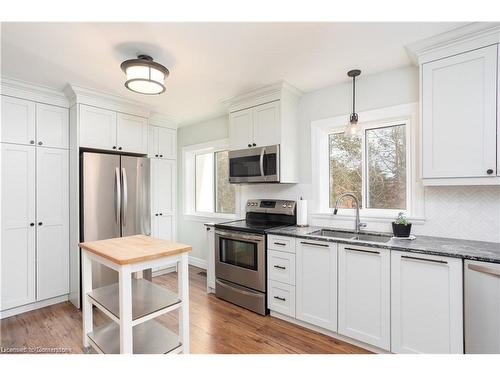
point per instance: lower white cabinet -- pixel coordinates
(426, 304)
(482, 307)
(316, 283)
(281, 298)
(162, 226)
(281, 266)
(364, 294)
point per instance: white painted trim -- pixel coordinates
(465, 181)
(326, 332)
(407, 113)
(471, 36)
(77, 94)
(198, 262)
(162, 120)
(33, 306)
(29, 91)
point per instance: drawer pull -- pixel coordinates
(425, 259)
(280, 298)
(279, 267)
(314, 244)
(280, 243)
(363, 251)
(484, 269)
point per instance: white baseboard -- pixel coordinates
(32, 306)
(198, 262)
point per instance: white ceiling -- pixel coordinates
(208, 62)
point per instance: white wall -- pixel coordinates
(460, 212)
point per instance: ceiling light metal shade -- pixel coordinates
(145, 76)
(353, 129)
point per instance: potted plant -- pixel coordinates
(401, 227)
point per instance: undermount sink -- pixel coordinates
(380, 238)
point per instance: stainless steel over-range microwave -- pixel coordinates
(256, 164)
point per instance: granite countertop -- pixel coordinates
(452, 247)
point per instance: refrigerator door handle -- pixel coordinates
(125, 196)
(118, 195)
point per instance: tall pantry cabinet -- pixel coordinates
(34, 204)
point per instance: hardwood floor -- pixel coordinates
(216, 327)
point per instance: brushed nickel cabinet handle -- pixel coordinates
(484, 269)
(362, 251)
(424, 259)
(313, 244)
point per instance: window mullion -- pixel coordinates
(364, 174)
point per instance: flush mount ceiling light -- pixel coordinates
(144, 76)
(353, 129)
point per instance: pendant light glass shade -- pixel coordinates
(145, 76)
(353, 129)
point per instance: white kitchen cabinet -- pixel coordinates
(281, 266)
(18, 225)
(131, 133)
(364, 288)
(210, 258)
(241, 129)
(281, 298)
(426, 304)
(97, 128)
(459, 117)
(18, 121)
(52, 126)
(482, 307)
(52, 222)
(163, 227)
(162, 143)
(163, 186)
(316, 283)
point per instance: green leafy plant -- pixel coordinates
(401, 219)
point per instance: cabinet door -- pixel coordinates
(364, 294)
(266, 124)
(52, 222)
(165, 227)
(240, 129)
(18, 235)
(52, 126)
(97, 128)
(163, 173)
(153, 142)
(167, 142)
(316, 283)
(482, 307)
(459, 115)
(18, 121)
(131, 133)
(426, 304)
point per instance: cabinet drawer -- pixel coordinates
(281, 266)
(281, 243)
(281, 298)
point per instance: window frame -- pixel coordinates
(397, 115)
(189, 154)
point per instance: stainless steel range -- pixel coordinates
(240, 252)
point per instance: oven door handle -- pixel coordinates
(239, 236)
(261, 163)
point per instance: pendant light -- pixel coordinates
(144, 76)
(353, 129)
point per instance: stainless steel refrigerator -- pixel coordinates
(115, 202)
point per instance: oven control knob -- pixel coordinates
(248, 204)
(284, 205)
(289, 206)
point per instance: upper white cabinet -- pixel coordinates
(162, 142)
(364, 294)
(18, 225)
(459, 124)
(316, 283)
(255, 127)
(18, 121)
(426, 304)
(97, 128)
(52, 126)
(131, 133)
(109, 130)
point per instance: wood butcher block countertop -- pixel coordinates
(134, 249)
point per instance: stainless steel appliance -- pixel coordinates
(240, 252)
(256, 164)
(114, 202)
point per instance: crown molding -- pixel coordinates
(29, 91)
(82, 95)
(465, 38)
(163, 120)
(276, 91)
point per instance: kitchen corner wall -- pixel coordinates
(467, 212)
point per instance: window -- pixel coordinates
(373, 167)
(206, 180)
